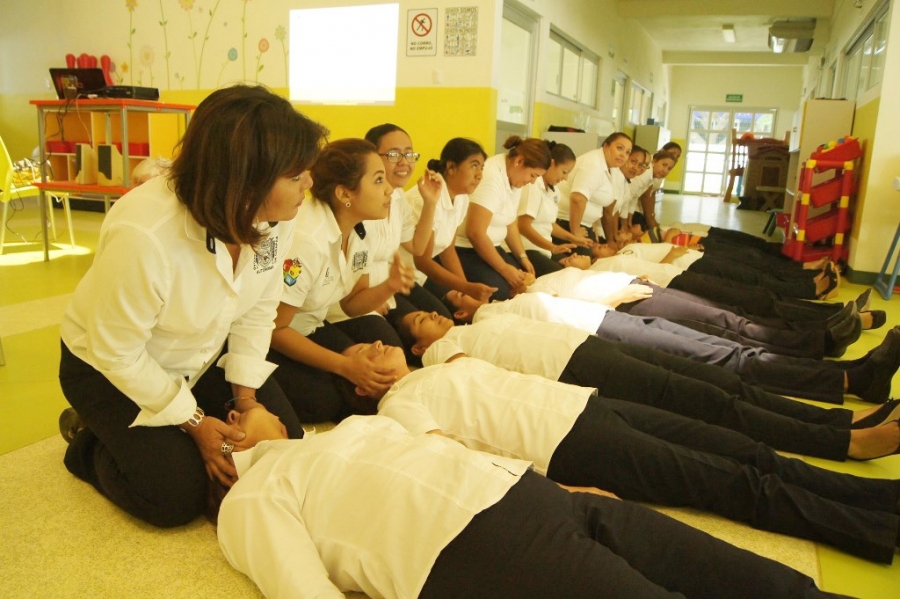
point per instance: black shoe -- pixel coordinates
(69, 424)
(886, 359)
(846, 332)
(888, 411)
(862, 302)
(879, 319)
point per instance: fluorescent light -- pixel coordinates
(728, 34)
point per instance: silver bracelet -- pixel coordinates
(195, 419)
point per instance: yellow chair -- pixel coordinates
(9, 192)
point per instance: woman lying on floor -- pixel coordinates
(821, 380)
(643, 375)
(773, 274)
(828, 337)
(745, 300)
(576, 437)
(370, 507)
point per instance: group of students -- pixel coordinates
(224, 308)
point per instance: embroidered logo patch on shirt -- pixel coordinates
(291, 270)
(266, 254)
(360, 259)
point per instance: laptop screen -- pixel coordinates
(74, 83)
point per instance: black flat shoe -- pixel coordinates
(844, 333)
(862, 302)
(886, 359)
(833, 280)
(879, 319)
(887, 412)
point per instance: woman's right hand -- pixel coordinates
(479, 291)
(362, 372)
(209, 436)
(580, 233)
(562, 248)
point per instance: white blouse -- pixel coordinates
(541, 203)
(496, 195)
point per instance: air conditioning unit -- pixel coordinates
(792, 36)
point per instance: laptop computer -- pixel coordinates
(75, 83)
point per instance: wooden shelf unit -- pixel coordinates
(139, 128)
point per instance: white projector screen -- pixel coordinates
(344, 55)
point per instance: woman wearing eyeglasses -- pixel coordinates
(403, 228)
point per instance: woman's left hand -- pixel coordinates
(402, 277)
(562, 248)
(429, 186)
(209, 436)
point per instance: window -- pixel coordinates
(640, 105)
(572, 71)
(864, 61)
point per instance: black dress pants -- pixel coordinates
(797, 284)
(798, 377)
(755, 301)
(155, 473)
(702, 317)
(479, 271)
(645, 454)
(696, 390)
(542, 541)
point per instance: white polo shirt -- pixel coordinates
(158, 303)
(316, 272)
(657, 272)
(583, 315)
(487, 408)
(510, 342)
(496, 195)
(634, 189)
(541, 203)
(656, 252)
(448, 215)
(593, 179)
(586, 285)
(365, 507)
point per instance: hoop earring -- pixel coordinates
(347, 204)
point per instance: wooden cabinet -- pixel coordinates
(114, 134)
(89, 148)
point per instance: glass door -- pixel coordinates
(709, 144)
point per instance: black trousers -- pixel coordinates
(755, 301)
(319, 396)
(542, 264)
(644, 454)
(578, 250)
(479, 271)
(700, 316)
(798, 284)
(708, 393)
(784, 375)
(542, 541)
(419, 298)
(155, 474)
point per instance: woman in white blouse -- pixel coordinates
(328, 263)
(460, 169)
(596, 184)
(538, 209)
(174, 317)
(491, 218)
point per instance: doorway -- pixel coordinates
(709, 144)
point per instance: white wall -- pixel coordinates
(762, 87)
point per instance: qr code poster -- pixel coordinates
(461, 31)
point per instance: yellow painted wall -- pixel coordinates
(431, 116)
(864, 123)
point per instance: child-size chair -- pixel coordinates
(9, 191)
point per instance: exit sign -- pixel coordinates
(734, 97)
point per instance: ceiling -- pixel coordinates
(690, 31)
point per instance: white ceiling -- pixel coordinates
(690, 31)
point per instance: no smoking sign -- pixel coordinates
(421, 32)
